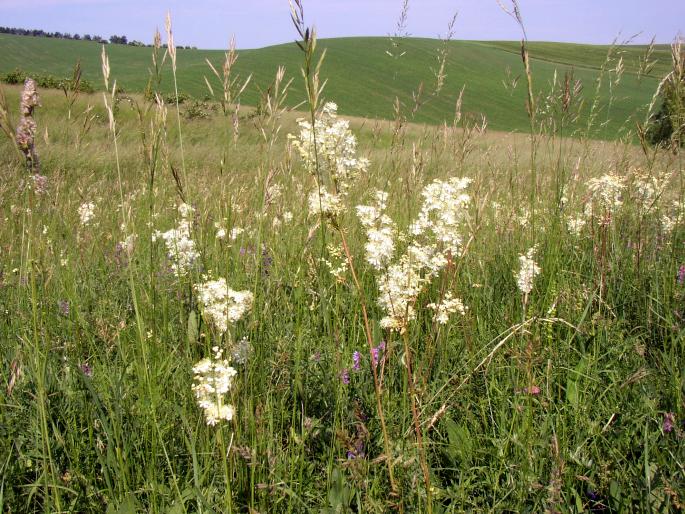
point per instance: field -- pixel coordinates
(365, 81)
(471, 320)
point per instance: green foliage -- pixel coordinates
(558, 402)
(18, 76)
(365, 81)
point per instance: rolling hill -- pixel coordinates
(364, 80)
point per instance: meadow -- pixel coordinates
(364, 80)
(261, 309)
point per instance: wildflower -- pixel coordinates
(220, 231)
(86, 369)
(222, 305)
(379, 230)
(180, 247)
(345, 376)
(681, 274)
(356, 360)
(329, 147)
(376, 353)
(607, 192)
(287, 217)
(575, 225)
(235, 232)
(86, 213)
(528, 271)
(326, 204)
(669, 422)
(213, 380)
(449, 305)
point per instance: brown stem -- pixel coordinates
(417, 423)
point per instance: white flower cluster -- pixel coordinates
(180, 247)
(330, 146)
(607, 191)
(647, 189)
(436, 237)
(575, 225)
(379, 230)
(213, 380)
(327, 204)
(443, 212)
(222, 305)
(527, 272)
(336, 263)
(448, 305)
(86, 213)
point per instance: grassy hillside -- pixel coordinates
(365, 81)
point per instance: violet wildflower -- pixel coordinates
(358, 452)
(86, 369)
(345, 376)
(376, 352)
(356, 360)
(681, 274)
(669, 421)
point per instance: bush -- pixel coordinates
(19, 76)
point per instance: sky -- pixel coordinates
(259, 23)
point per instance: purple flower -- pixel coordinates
(63, 307)
(681, 274)
(358, 451)
(345, 376)
(86, 369)
(669, 421)
(376, 352)
(356, 360)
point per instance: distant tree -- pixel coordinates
(86, 37)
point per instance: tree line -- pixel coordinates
(113, 39)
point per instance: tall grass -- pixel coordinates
(568, 396)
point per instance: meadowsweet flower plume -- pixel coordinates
(221, 305)
(528, 270)
(436, 238)
(180, 247)
(379, 230)
(329, 149)
(213, 381)
(607, 194)
(86, 212)
(448, 305)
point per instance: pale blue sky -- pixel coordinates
(257, 23)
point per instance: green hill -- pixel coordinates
(364, 80)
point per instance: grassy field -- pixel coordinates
(499, 328)
(365, 81)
